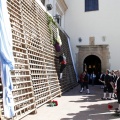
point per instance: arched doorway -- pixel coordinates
(87, 53)
(92, 63)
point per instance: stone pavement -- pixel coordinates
(74, 105)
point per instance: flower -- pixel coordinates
(56, 102)
(110, 106)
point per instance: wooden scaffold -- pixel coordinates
(35, 77)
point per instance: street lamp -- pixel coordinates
(57, 18)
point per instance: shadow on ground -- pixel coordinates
(93, 108)
(94, 112)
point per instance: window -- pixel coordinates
(91, 5)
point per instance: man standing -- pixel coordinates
(108, 85)
(117, 90)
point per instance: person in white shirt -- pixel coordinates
(102, 79)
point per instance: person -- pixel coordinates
(62, 61)
(114, 78)
(88, 77)
(93, 76)
(117, 90)
(108, 85)
(102, 79)
(84, 82)
(81, 80)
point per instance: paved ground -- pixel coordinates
(76, 106)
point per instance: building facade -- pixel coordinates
(57, 11)
(93, 27)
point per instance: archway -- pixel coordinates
(99, 52)
(92, 63)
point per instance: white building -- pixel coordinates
(58, 10)
(93, 27)
(94, 34)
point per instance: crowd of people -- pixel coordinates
(110, 81)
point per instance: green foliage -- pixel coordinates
(50, 20)
(50, 23)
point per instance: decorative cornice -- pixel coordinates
(91, 46)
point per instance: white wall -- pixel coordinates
(104, 22)
(55, 10)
